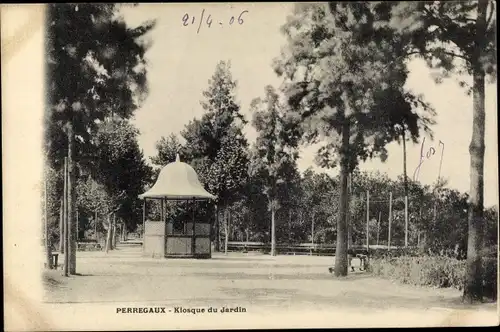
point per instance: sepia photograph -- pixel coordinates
(186, 166)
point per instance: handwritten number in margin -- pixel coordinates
(441, 161)
(431, 152)
(240, 20)
(231, 21)
(185, 18)
(209, 21)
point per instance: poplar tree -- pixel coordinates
(215, 145)
(274, 153)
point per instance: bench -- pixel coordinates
(363, 259)
(54, 257)
(89, 246)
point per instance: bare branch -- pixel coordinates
(115, 209)
(461, 56)
(456, 55)
(488, 21)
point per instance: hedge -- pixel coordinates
(434, 271)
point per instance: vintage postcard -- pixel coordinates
(249, 165)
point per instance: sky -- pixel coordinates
(183, 58)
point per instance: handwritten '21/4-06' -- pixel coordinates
(202, 20)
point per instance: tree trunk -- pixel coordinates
(71, 198)
(273, 231)
(113, 233)
(473, 290)
(226, 228)
(109, 234)
(341, 261)
(217, 242)
(48, 247)
(221, 220)
(61, 227)
(119, 232)
(78, 230)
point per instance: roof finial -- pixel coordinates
(177, 159)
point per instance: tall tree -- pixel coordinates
(122, 169)
(215, 145)
(95, 66)
(93, 199)
(204, 136)
(459, 38)
(274, 155)
(54, 182)
(257, 202)
(342, 78)
(318, 190)
(227, 175)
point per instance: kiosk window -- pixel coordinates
(178, 226)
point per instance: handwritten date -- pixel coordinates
(208, 21)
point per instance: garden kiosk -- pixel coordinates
(177, 181)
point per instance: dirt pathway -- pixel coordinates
(260, 284)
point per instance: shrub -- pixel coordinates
(490, 277)
(434, 271)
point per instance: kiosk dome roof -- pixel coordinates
(177, 180)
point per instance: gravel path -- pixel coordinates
(260, 284)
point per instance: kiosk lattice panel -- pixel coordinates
(154, 239)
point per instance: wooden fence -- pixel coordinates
(301, 248)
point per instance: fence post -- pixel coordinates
(77, 227)
(390, 222)
(65, 219)
(367, 220)
(378, 226)
(95, 227)
(419, 230)
(348, 213)
(312, 230)
(406, 221)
